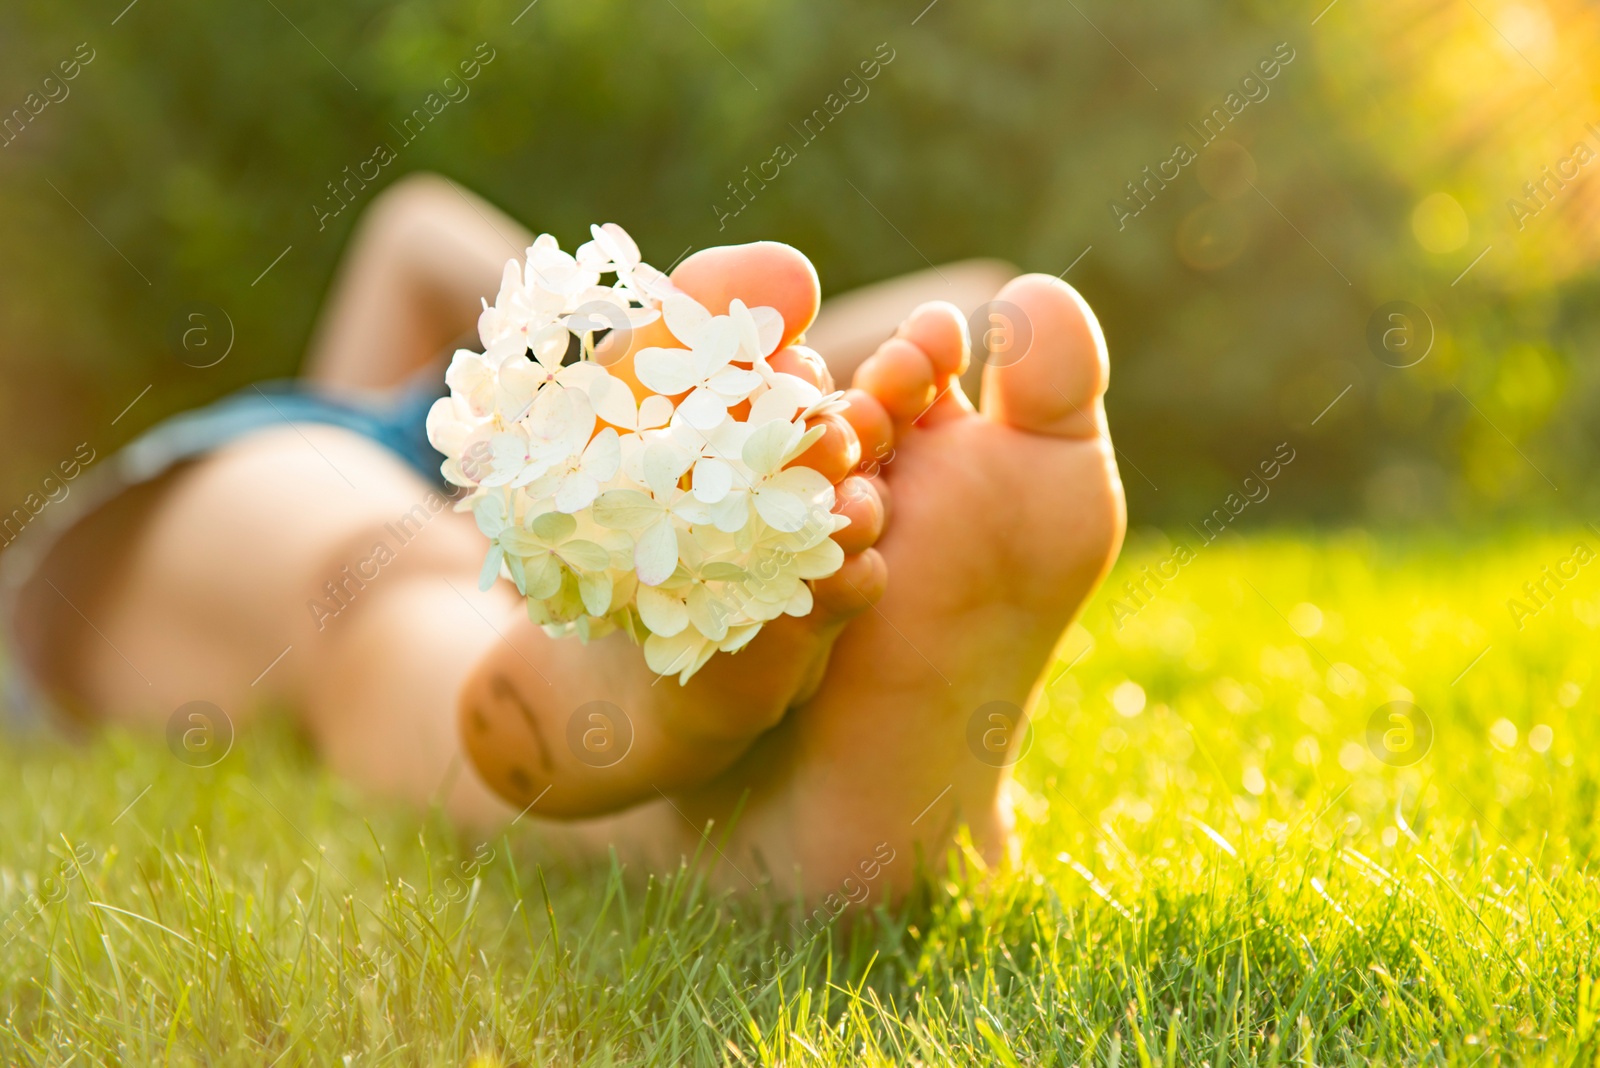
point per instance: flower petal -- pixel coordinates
(766, 446)
(553, 527)
(653, 283)
(603, 456)
(490, 514)
(732, 513)
(734, 383)
(788, 499)
(806, 482)
(821, 560)
(769, 326)
(776, 404)
(804, 442)
(703, 409)
(616, 243)
(491, 567)
(723, 571)
(709, 615)
(577, 491)
(585, 555)
(664, 464)
(663, 613)
(624, 509)
(831, 404)
(656, 555)
(780, 509)
(685, 317)
(670, 655)
(800, 601)
(654, 411)
(704, 654)
(595, 588)
(544, 576)
(518, 542)
(613, 402)
(470, 377)
(549, 345)
(738, 638)
(667, 371)
(449, 422)
(712, 480)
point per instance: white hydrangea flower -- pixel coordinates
(655, 512)
(705, 371)
(651, 508)
(523, 317)
(575, 482)
(784, 497)
(559, 273)
(612, 250)
(715, 456)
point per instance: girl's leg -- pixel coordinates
(309, 566)
(305, 567)
(410, 285)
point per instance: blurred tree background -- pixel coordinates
(1381, 165)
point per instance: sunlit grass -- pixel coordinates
(1215, 869)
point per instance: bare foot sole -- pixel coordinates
(1004, 523)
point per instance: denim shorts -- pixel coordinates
(399, 425)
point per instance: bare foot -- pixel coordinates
(1004, 522)
(591, 724)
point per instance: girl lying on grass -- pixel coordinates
(970, 539)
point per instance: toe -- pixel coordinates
(854, 588)
(901, 377)
(762, 274)
(1051, 374)
(803, 363)
(874, 429)
(836, 453)
(939, 329)
(857, 500)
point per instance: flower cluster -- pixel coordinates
(658, 495)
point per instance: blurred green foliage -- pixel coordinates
(196, 145)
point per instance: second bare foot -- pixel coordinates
(1004, 521)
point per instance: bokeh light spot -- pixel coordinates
(1503, 734)
(1128, 698)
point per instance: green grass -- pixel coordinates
(1225, 875)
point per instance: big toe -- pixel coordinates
(1048, 368)
(762, 274)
